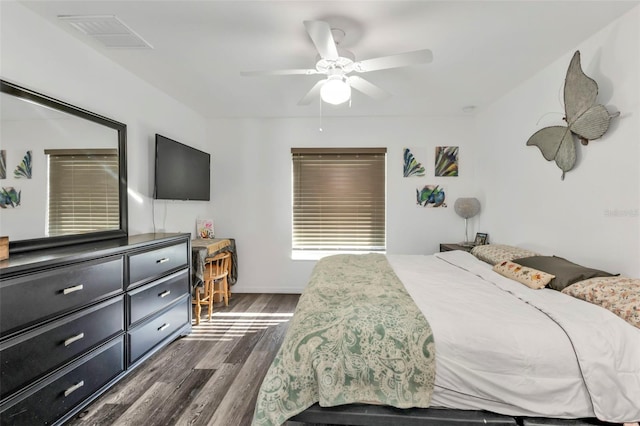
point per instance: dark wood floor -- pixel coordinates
(210, 377)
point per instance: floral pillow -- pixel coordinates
(530, 277)
(620, 295)
(494, 253)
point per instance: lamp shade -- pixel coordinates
(467, 207)
(335, 90)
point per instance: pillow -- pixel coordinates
(530, 277)
(566, 273)
(494, 253)
(620, 295)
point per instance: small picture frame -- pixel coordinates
(481, 239)
(204, 228)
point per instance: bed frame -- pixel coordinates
(379, 415)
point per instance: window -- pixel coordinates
(83, 191)
(339, 199)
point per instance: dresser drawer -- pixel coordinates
(42, 350)
(51, 399)
(147, 335)
(146, 300)
(32, 298)
(151, 264)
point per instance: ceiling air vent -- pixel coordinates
(108, 30)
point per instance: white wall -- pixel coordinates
(252, 187)
(37, 55)
(524, 202)
(592, 217)
(251, 181)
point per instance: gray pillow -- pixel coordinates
(566, 272)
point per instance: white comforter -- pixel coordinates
(504, 347)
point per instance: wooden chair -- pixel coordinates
(204, 297)
(216, 272)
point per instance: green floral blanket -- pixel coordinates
(356, 336)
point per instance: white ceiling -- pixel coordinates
(482, 49)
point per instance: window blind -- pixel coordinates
(339, 199)
(83, 191)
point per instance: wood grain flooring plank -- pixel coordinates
(278, 304)
(238, 404)
(202, 408)
(259, 304)
(273, 304)
(166, 366)
(217, 353)
(220, 351)
(288, 303)
(268, 345)
(237, 401)
(244, 347)
(145, 406)
(178, 386)
(183, 395)
(106, 414)
(243, 301)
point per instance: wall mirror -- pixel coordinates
(63, 173)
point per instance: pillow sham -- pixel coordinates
(619, 295)
(566, 272)
(494, 253)
(530, 277)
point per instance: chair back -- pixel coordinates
(217, 267)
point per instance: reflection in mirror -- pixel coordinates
(62, 174)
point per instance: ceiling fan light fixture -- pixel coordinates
(335, 90)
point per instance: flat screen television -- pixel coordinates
(182, 172)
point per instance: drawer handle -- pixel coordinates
(74, 388)
(164, 259)
(164, 327)
(72, 289)
(70, 340)
(165, 293)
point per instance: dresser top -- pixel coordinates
(21, 262)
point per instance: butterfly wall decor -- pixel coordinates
(585, 119)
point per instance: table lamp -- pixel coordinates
(467, 208)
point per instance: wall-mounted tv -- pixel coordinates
(182, 172)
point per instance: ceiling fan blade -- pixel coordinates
(312, 94)
(394, 61)
(320, 33)
(279, 72)
(368, 88)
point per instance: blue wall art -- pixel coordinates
(431, 196)
(23, 170)
(3, 164)
(9, 197)
(412, 167)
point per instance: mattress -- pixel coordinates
(503, 347)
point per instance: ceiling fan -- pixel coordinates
(337, 64)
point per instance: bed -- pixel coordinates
(398, 334)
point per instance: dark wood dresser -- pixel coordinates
(74, 320)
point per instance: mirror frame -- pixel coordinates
(19, 246)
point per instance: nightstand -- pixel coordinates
(454, 246)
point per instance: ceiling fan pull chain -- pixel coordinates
(320, 117)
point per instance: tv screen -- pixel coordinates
(182, 172)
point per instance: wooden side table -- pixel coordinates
(454, 246)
